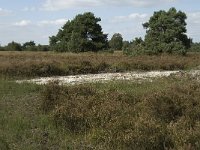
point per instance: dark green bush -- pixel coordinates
(13, 46)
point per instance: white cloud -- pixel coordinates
(41, 23)
(193, 22)
(23, 23)
(29, 9)
(4, 12)
(194, 17)
(52, 22)
(64, 4)
(130, 26)
(131, 17)
(136, 3)
(53, 5)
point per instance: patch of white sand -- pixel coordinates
(89, 78)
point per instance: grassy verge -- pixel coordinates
(32, 64)
(115, 115)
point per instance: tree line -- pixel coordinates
(27, 46)
(165, 33)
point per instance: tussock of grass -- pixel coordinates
(31, 64)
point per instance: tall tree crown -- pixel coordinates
(166, 32)
(83, 33)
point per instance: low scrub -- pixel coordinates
(111, 119)
(38, 64)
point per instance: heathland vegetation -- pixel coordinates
(38, 64)
(161, 114)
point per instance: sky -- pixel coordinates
(36, 20)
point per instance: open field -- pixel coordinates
(157, 115)
(39, 64)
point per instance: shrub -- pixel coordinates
(110, 119)
(39, 64)
(13, 46)
(51, 96)
(3, 144)
(169, 106)
(178, 107)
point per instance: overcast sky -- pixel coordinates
(25, 20)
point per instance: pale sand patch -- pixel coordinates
(90, 78)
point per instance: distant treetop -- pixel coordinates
(83, 33)
(166, 32)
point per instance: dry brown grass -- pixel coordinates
(30, 64)
(168, 118)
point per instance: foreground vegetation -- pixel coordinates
(113, 118)
(32, 64)
(162, 114)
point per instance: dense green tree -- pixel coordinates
(116, 42)
(75, 42)
(13, 46)
(2, 48)
(29, 46)
(125, 46)
(83, 33)
(166, 32)
(134, 47)
(137, 46)
(43, 48)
